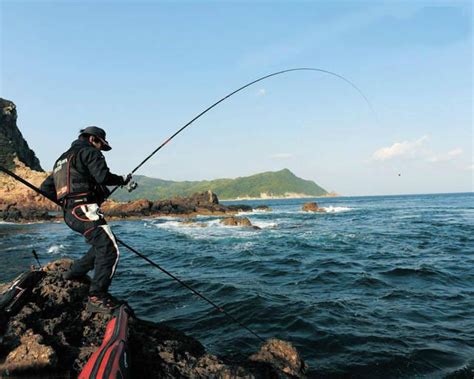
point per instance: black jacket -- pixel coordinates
(90, 164)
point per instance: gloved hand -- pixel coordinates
(126, 179)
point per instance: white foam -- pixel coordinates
(332, 209)
(213, 230)
(55, 249)
(253, 211)
(264, 224)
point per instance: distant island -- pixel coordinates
(266, 185)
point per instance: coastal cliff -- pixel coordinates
(12, 143)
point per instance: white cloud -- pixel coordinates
(449, 156)
(405, 149)
(281, 156)
(414, 150)
(262, 92)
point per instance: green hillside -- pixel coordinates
(276, 183)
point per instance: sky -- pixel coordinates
(141, 70)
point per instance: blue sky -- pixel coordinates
(141, 70)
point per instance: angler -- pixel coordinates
(78, 183)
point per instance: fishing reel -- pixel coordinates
(132, 185)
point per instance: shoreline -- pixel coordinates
(299, 196)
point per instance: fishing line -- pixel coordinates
(240, 89)
(136, 252)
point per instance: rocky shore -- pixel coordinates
(21, 204)
(52, 335)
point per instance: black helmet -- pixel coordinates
(99, 133)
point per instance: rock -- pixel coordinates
(141, 207)
(282, 355)
(239, 208)
(238, 221)
(31, 355)
(53, 334)
(18, 202)
(312, 207)
(204, 198)
(12, 143)
(203, 203)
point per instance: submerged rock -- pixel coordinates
(53, 335)
(194, 222)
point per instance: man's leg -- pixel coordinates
(106, 259)
(83, 265)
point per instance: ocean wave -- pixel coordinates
(408, 271)
(332, 209)
(19, 247)
(264, 224)
(211, 229)
(252, 212)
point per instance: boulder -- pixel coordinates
(30, 355)
(283, 355)
(203, 198)
(238, 221)
(312, 207)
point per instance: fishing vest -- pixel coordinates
(68, 181)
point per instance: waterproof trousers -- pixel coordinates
(103, 254)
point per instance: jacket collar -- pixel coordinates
(81, 143)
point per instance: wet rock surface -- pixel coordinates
(312, 207)
(238, 221)
(202, 203)
(52, 334)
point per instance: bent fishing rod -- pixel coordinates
(240, 89)
(136, 252)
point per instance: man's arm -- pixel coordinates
(94, 160)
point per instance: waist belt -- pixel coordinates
(73, 201)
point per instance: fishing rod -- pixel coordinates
(35, 255)
(136, 252)
(240, 89)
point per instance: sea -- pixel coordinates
(375, 287)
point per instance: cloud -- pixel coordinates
(401, 149)
(416, 149)
(262, 92)
(281, 156)
(449, 156)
